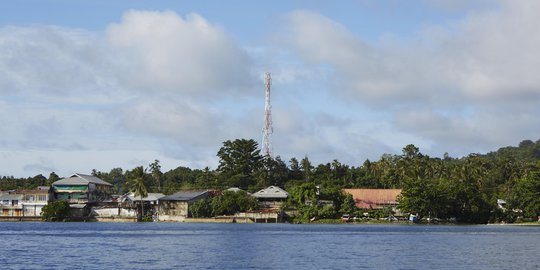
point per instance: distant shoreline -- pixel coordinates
(226, 220)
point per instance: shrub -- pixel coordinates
(55, 211)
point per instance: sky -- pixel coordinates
(104, 84)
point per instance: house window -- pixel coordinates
(5, 202)
(14, 202)
(42, 197)
(30, 197)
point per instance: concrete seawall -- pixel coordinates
(114, 219)
(11, 218)
(218, 220)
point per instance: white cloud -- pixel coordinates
(165, 52)
(52, 62)
(485, 56)
(160, 85)
(185, 121)
(150, 80)
(469, 85)
(457, 5)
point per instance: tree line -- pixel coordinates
(465, 188)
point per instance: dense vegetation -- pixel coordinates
(229, 203)
(55, 211)
(464, 188)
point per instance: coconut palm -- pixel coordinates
(138, 187)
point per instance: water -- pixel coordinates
(265, 246)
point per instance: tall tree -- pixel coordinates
(155, 171)
(307, 168)
(295, 172)
(527, 195)
(239, 160)
(138, 186)
(53, 177)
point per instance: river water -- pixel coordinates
(265, 246)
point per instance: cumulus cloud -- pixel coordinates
(468, 84)
(183, 120)
(148, 80)
(456, 5)
(173, 87)
(165, 52)
(483, 57)
(326, 136)
(50, 61)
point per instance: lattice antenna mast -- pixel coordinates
(267, 130)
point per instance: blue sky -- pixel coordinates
(102, 84)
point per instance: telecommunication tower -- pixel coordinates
(267, 129)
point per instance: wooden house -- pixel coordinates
(175, 207)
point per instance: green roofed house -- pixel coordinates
(81, 188)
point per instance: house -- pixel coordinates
(124, 208)
(34, 200)
(150, 202)
(371, 198)
(10, 205)
(501, 204)
(150, 199)
(271, 197)
(81, 188)
(175, 207)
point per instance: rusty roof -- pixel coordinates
(371, 198)
(31, 191)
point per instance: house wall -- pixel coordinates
(104, 189)
(33, 203)
(11, 207)
(270, 203)
(174, 208)
(113, 211)
(82, 193)
(72, 197)
(169, 218)
(32, 210)
(77, 212)
(12, 212)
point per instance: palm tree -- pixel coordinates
(138, 187)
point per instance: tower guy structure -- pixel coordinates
(267, 129)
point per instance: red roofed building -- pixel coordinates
(371, 198)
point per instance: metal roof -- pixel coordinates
(31, 191)
(78, 205)
(11, 197)
(235, 189)
(80, 179)
(183, 196)
(150, 197)
(366, 198)
(271, 192)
